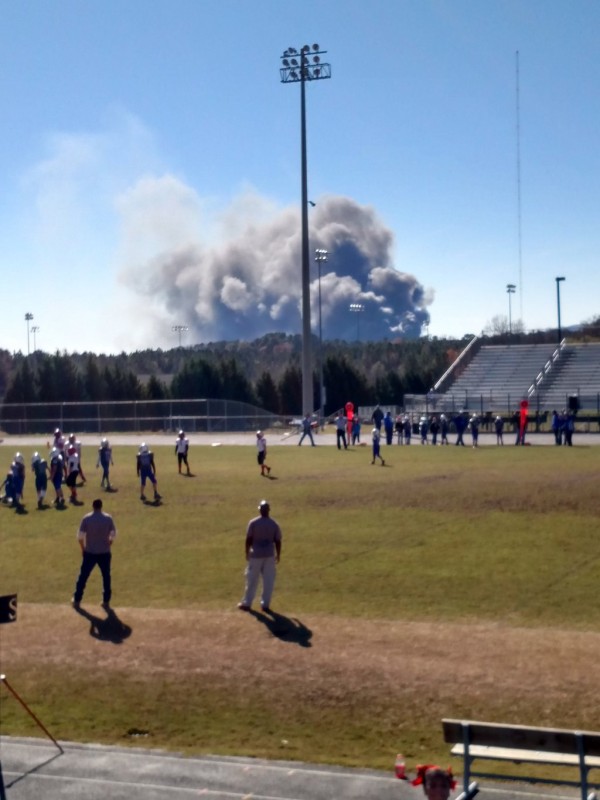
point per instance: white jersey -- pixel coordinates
(182, 445)
(72, 458)
(59, 443)
(261, 444)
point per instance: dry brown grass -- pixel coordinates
(404, 675)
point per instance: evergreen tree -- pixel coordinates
(235, 385)
(343, 383)
(94, 386)
(267, 396)
(22, 388)
(197, 379)
(156, 389)
(290, 391)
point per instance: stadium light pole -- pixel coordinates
(179, 329)
(299, 67)
(558, 280)
(320, 258)
(357, 308)
(28, 318)
(34, 330)
(510, 288)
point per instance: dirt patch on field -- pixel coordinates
(453, 668)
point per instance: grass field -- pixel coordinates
(451, 582)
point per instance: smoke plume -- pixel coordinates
(245, 281)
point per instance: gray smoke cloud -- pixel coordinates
(249, 283)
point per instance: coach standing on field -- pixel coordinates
(263, 551)
(96, 534)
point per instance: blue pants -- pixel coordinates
(87, 565)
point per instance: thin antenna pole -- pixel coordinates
(519, 231)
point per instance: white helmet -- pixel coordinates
(143, 447)
(19, 458)
(181, 434)
(35, 458)
(54, 453)
(57, 432)
(72, 438)
(259, 433)
(104, 443)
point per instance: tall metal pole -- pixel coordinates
(558, 280)
(510, 288)
(28, 318)
(179, 329)
(320, 257)
(298, 67)
(519, 227)
(34, 330)
(357, 308)
(307, 373)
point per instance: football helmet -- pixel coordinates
(35, 458)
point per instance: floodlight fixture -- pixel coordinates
(179, 329)
(357, 308)
(28, 318)
(34, 330)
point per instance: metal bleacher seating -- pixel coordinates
(501, 371)
(575, 373)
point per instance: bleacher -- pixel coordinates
(575, 373)
(501, 371)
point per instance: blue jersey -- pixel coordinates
(104, 456)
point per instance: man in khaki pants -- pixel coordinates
(263, 551)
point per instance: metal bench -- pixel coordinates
(472, 740)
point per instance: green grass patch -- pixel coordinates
(444, 535)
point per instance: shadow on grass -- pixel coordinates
(109, 629)
(155, 503)
(284, 628)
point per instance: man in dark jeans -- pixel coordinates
(96, 534)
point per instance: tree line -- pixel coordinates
(388, 373)
(265, 373)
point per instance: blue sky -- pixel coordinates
(148, 146)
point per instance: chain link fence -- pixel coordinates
(133, 416)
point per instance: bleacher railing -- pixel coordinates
(494, 402)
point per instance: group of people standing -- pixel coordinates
(62, 467)
(563, 427)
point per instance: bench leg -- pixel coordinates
(583, 768)
(467, 757)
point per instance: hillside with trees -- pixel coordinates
(265, 372)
